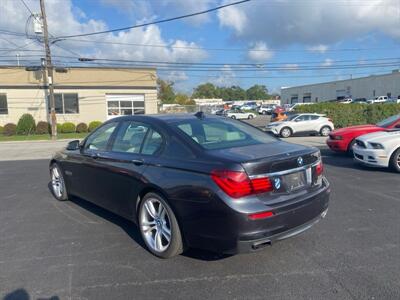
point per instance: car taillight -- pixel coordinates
(237, 184)
(330, 120)
(319, 168)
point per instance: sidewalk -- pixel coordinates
(30, 150)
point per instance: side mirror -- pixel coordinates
(73, 145)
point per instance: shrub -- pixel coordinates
(59, 126)
(81, 128)
(1, 129)
(43, 127)
(68, 127)
(10, 129)
(344, 115)
(26, 124)
(93, 125)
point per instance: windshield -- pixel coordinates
(213, 134)
(292, 117)
(385, 123)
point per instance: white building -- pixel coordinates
(364, 87)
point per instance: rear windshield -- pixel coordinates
(213, 134)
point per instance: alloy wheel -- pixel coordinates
(155, 225)
(398, 161)
(285, 132)
(57, 182)
(325, 131)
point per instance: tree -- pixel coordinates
(183, 99)
(257, 92)
(205, 91)
(165, 91)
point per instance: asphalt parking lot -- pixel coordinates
(75, 250)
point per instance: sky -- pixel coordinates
(277, 43)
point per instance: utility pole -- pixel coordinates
(49, 77)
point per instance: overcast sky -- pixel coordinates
(257, 32)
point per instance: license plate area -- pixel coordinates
(294, 181)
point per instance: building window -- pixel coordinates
(294, 98)
(307, 97)
(65, 103)
(3, 104)
(124, 105)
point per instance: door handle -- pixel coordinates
(137, 162)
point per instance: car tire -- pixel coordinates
(250, 117)
(325, 130)
(57, 183)
(159, 227)
(286, 132)
(350, 148)
(233, 117)
(264, 112)
(394, 162)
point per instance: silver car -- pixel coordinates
(302, 123)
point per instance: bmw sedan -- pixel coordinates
(195, 181)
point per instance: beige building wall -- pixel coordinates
(25, 92)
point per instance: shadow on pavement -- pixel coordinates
(22, 294)
(133, 231)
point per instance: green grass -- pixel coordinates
(40, 137)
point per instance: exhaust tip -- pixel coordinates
(261, 244)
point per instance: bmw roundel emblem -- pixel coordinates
(277, 183)
(300, 161)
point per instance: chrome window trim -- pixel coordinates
(302, 168)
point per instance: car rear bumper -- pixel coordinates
(232, 232)
(373, 158)
(337, 145)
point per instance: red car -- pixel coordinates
(343, 139)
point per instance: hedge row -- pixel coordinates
(26, 126)
(344, 115)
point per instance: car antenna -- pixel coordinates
(200, 115)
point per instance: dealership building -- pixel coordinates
(82, 94)
(364, 87)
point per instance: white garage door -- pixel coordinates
(124, 105)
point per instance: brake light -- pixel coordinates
(262, 215)
(319, 168)
(330, 120)
(237, 184)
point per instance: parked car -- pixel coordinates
(302, 123)
(360, 101)
(380, 99)
(397, 101)
(221, 112)
(379, 149)
(279, 114)
(240, 114)
(195, 181)
(249, 106)
(346, 101)
(342, 140)
(266, 109)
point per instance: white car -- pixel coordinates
(302, 123)
(379, 149)
(266, 109)
(346, 101)
(239, 114)
(380, 99)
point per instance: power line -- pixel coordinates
(226, 49)
(156, 22)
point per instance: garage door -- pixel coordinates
(124, 105)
